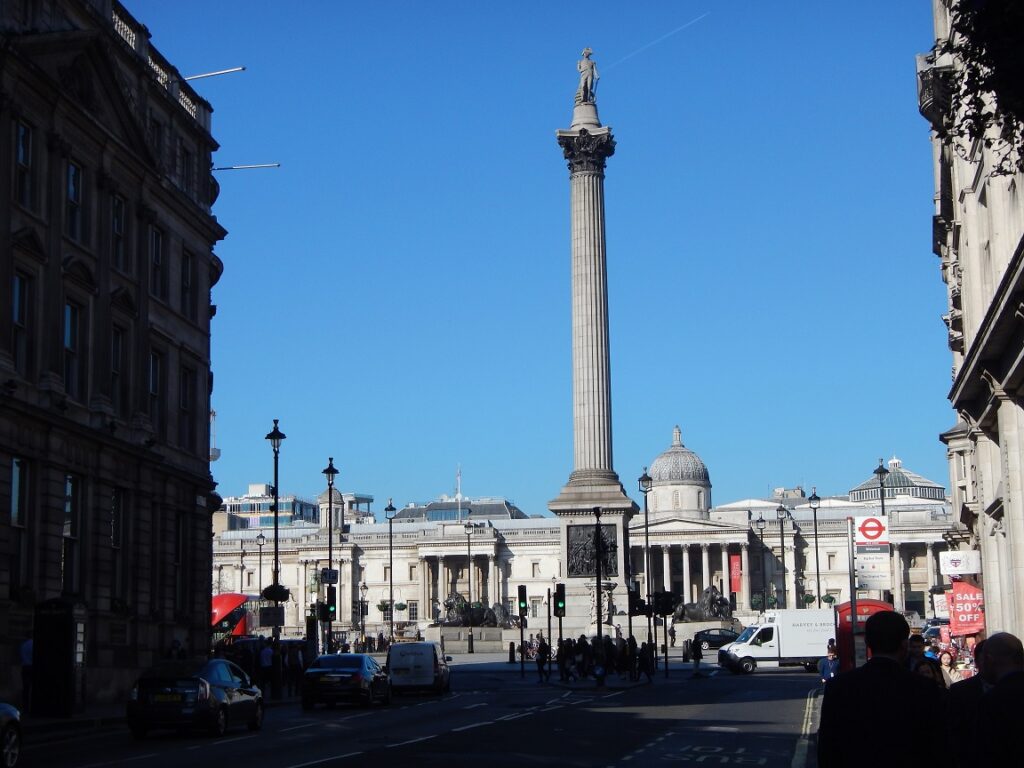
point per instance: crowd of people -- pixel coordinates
(909, 694)
(579, 659)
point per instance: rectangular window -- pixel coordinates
(535, 603)
(535, 570)
(118, 256)
(157, 394)
(73, 223)
(119, 371)
(21, 315)
(69, 566)
(831, 561)
(25, 170)
(186, 170)
(19, 566)
(414, 610)
(186, 409)
(387, 573)
(73, 357)
(188, 287)
(157, 264)
(413, 572)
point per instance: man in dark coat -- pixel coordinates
(874, 713)
(1002, 709)
(964, 701)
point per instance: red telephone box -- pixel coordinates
(848, 652)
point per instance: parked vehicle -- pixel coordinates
(353, 677)
(419, 665)
(10, 734)
(211, 694)
(714, 638)
(787, 637)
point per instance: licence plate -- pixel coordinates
(167, 697)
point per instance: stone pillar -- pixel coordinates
(705, 568)
(666, 568)
(929, 550)
(687, 591)
(1010, 418)
(897, 577)
(726, 583)
(744, 598)
(792, 598)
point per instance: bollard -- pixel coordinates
(511, 652)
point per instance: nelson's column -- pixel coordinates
(593, 482)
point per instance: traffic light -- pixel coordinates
(323, 612)
(560, 600)
(524, 607)
(664, 603)
(332, 602)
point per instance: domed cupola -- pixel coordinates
(680, 482)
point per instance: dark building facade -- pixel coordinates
(106, 268)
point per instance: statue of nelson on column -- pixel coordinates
(588, 78)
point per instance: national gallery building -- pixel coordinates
(756, 551)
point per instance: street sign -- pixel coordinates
(272, 616)
(965, 562)
(328, 575)
(871, 531)
(871, 536)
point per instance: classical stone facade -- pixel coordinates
(106, 266)
(978, 236)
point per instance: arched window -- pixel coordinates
(675, 499)
(700, 499)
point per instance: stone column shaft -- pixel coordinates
(666, 569)
(744, 599)
(687, 591)
(705, 568)
(726, 581)
(897, 577)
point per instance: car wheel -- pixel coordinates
(256, 723)
(220, 722)
(139, 731)
(705, 645)
(11, 745)
(748, 665)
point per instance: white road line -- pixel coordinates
(548, 709)
(517, 716)
(474, 706)
(474, 725)
(403, 743)
(325, 760)
(299, 727)
(804, 742)
(719, 729)
(218, 742)
(610, 695)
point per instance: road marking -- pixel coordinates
(516, 716)
(474, 725)
(325, 760)
(719, 729)
(299, 727)
(218, 742)
(474, 706)
(554, 706)
(403, 743)
(803, 743)
(610, 695)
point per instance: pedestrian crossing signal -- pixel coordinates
(524, 607)
(560, 600)
(332, 602)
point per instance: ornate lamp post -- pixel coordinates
(782, 513)
(331, 473)
(645, 484)
(469, 581)
(362, 611)
(276, 437)
(815, 502)
(764, 570)
(261, 541)
(389, 513)
(881, 473)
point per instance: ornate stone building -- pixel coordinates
(106, 264)
(978, 236)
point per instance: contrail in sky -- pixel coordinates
(655, 42)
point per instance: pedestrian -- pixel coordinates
(672, 636)
(543, 653)
(964, 702)
(697, 655)
(25, 654)
(949, 671)
(882, 698)
(266, 664)
(915, 652)
(295, 667)
(1001, 710)
(828, 667)
(631, 653)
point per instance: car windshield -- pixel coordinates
(338, 662)
(746, 634)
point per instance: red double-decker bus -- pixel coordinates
(234, 615)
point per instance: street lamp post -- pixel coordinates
(782, 512)
(261, 541)
(331, 473)
(469, 582)
(276, 437)
(645, 484)
(389, 513)
(764, 570)
(881, 473)
(362, 612)
(815, 502)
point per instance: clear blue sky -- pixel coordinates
(397, 293)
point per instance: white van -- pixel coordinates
(783, 638)
(419, 665)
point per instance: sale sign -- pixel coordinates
(966, 609)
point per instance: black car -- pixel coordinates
(714, 638)
(353, 677)
(210, 694)
(10, 735)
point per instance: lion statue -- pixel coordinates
(712, 605)
(459, 613)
